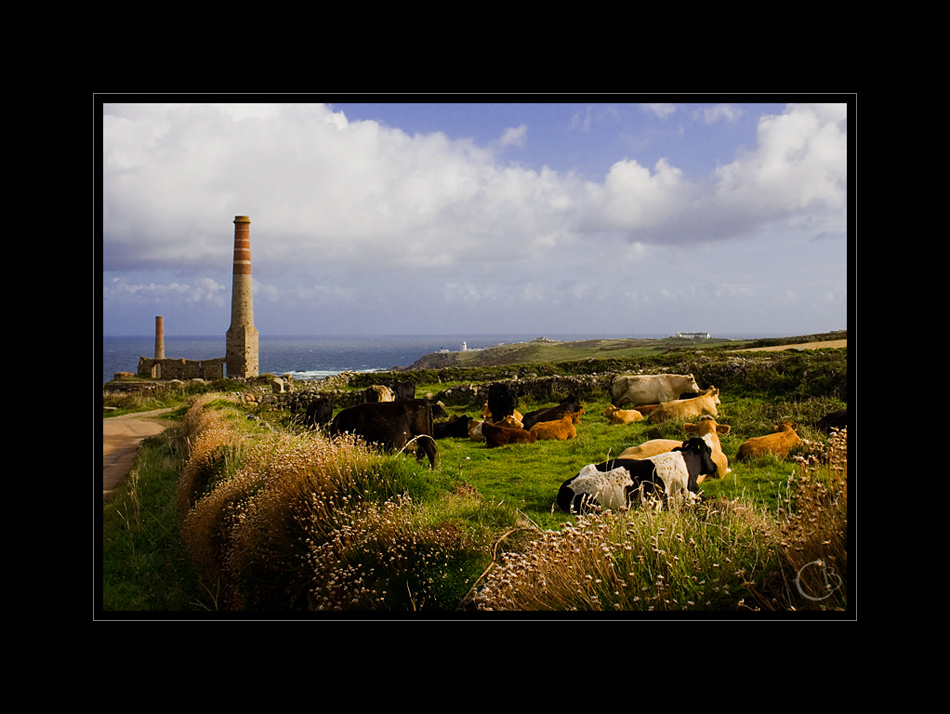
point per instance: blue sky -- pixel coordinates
(477, 217)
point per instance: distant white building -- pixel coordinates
(693, 335)
(464, 346)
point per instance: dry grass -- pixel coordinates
(307, 521)
(637, 560)
(814, 528)
(385, 557)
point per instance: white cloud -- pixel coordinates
(727, 112)
(662, 110)
(799, 162)
(515, 136)
(339, 207)
(202, 290)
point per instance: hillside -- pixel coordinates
(544, 350)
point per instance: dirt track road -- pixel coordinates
(121, 437)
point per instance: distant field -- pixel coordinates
(828, 344)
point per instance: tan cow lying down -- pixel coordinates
(705, 403)
(560, 430)
(781, 443)
(621, 416)
(706, 428)
(650, 448)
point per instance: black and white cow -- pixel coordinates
(618, 483)
(392, 425)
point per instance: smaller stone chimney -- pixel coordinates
(159, 337)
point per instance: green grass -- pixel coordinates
(145, 566)
(529, 475)
(479, 503)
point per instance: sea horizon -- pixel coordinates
(311, 357)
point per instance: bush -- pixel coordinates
(286, 529)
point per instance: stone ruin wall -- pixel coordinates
(209, 369)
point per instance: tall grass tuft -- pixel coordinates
(387, 557)
(814, 528)
(302, 514)
(637, 560)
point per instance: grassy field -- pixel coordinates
(275, 518)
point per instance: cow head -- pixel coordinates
(699, 462)
(707, 425)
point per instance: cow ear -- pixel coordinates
(723, 429)
(690, 428)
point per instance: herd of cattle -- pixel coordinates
(667, 469)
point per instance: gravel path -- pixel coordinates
(121, 437)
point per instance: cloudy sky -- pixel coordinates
(477, 218)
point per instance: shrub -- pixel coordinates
(285, 529)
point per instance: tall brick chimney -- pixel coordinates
(159, 337)
(242, 343)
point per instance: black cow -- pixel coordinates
(392, 425)
(835, 420)
(456, 427)
(405, 390)
(502, 401)
(569, 406)
(613, 484)
(319, 412)
(438, 411)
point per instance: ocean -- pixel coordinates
(308, 358)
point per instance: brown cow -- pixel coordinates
(621, 416)
(560, 430)
(686, 408)
(502, 436)
(780, 443)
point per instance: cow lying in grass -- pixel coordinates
(780, 443)
(456, 427)
(560, 430)
(705, 428)
(621, 416)
(619, 483)
(687, 408)
(570, 406)
(496, 436)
